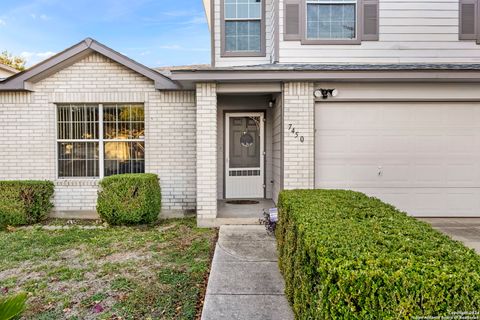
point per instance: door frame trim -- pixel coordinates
(226, 142)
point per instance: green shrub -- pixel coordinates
(12, 307)
(128, 199)
(348, 256)
(24, 202)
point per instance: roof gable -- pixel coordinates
(25, 79)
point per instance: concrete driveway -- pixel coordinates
(466, 230)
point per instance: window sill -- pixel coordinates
(331, 42)
(71, 181)
(242, 54)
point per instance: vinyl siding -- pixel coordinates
(236, 61)
(410, 32)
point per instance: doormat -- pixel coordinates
(242, 202)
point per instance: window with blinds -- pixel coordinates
(96, 140)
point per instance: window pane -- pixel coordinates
(109, 130)
(137, 113)
(78, 159)
(243, 36)
(255, 11)
(243, 9)
(331, 21)
(124, 157)
(231, 44)
(124, 122)
(77, 122)
(230, 11)
(254, 43)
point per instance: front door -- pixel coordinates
(244, 155)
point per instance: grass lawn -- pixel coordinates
(153, 272)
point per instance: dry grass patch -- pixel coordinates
(153, 272)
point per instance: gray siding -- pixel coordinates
(423, 31)
(234, 61)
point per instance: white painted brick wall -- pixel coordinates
(299, 159)
(28, 137)
(206, 152)
(75, 195)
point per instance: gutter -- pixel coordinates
(347, 75)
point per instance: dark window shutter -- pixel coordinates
(370, 21)
(292, 20)
(468, 19)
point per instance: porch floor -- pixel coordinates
(243, 211)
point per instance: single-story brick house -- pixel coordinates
(407, 134)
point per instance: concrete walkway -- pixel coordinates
(466, 230)
(245, 282)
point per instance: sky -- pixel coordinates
(153, 32)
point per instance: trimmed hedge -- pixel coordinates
(128, 199)
(348, 256)
(24, 202)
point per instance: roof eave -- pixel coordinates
(289, 75)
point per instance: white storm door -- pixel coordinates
(244, 155)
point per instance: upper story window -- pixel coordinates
(96, 140)
(243, 28)
(331, 19)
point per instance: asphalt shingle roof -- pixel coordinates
(335, 67)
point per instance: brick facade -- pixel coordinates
(298, 157)
(206, 152)
(28, 131)
(180, 136)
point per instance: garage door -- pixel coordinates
(424, 158)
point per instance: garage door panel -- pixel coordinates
(463, 201)
(460, 144)
(364, 143)
(396, 144)
(333, 142)
(429, 202)
(363, 172)
(427, 144)
(423, 158)
(461, 173)
(431, 174)
(460, 116)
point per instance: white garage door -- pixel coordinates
(424, 158)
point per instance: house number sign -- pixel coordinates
(295, 133)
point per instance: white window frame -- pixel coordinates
(356, 40)
(101, 141)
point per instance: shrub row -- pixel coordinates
(122, 199)
(348, 256)
(128, 199)
(24, 202)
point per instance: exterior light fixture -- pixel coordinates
(271, 103)
(325, 93)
